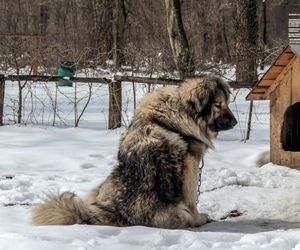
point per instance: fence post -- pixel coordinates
(2, 90)
(115, 105)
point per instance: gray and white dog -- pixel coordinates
(155, 180)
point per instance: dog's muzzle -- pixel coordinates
(224, 122)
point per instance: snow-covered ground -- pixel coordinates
(253, 208)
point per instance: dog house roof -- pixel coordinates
(267, 83)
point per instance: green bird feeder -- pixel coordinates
(66, 69)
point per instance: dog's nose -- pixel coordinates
(233, 122)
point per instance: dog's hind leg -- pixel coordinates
(179, 216)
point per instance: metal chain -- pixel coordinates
(199, 179)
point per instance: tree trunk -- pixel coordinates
(178, 41)
(115, 88)
(264, 34)
(2, 90)
(246, 41)
(246, 47)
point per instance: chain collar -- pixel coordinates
(199, 179)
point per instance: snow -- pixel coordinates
(37, 160)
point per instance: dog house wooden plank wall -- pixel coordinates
(281, 85)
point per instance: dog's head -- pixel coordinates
(208, 100)
(219, 117)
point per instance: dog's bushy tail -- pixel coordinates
(64, 209)
(263, 158)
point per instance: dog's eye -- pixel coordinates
(218, 106)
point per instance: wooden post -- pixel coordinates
(115, 105)
(249, 121)
(2, 90)
(115, 88)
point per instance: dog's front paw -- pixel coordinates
(201, 219)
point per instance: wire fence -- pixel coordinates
(83, 104)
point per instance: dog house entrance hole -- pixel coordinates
(290, 133)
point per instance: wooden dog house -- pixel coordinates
(281, 85)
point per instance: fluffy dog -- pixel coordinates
(155, 180)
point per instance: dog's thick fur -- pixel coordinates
(155, 180)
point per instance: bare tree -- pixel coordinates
(2, 90)
(178, 41)
(246, 41)
(78, 116)
(209, 27)
(246, 46)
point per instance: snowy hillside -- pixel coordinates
(253, 208)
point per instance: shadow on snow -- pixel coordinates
(250, 226)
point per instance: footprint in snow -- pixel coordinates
(87, 166)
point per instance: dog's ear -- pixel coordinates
(203, 98)
(199, 94)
